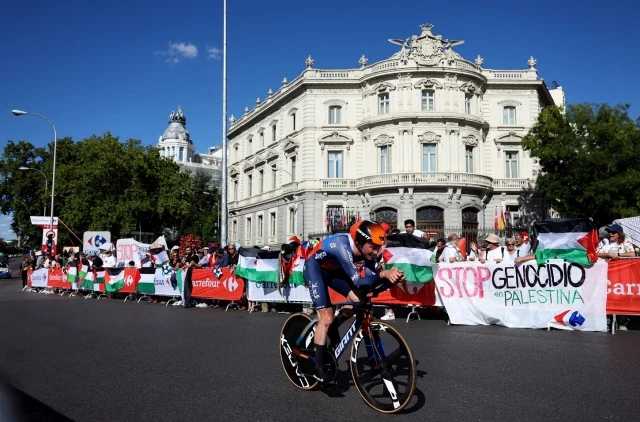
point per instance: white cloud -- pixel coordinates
(177, 51)
(214, 53)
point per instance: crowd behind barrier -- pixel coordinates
(621, 285)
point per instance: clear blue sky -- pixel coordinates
(123, 66)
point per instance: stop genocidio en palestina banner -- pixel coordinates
(557, 294)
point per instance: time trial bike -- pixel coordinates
(381, 362)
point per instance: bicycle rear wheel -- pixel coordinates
(383, 368)
(297, 369)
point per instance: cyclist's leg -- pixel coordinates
(319, 293)
(345, 288)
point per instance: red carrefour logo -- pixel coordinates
(128, 280)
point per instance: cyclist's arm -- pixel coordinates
(344, 255)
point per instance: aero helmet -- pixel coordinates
(367, 231)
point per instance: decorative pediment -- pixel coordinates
(508, 139)
(470, 141)
(335, 138)
(234, 171)
(381, 88)
(507, 103)
(270, 155)
(290, 145)
(429, 137)
(470, 87)
(383, 140)
(428, 83)
(258, 160)
(247, 165)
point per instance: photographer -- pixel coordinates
(190, 261)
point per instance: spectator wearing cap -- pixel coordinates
(618, 247)
(495, 252)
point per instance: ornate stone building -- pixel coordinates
(425, 135)
(176, 144)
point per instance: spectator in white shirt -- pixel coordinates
(109, 260)
(495, 252)
(451, 252)
(523, 248)
(618, 247)
(512, 252)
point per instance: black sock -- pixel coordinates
(320, 352)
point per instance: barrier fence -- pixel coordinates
(472, 293)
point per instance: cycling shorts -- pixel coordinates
(320, 280)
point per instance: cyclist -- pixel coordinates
(332, 263)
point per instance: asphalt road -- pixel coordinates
(105, 361)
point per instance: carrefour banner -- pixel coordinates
(557, 294)
(268, 292)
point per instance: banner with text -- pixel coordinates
(211, 285)
(265, 291)
(623, 287)
(131, 250)
(557, 294)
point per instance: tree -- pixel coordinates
(101, 184)
(203, 207)
(590, 160)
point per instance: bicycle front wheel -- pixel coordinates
(383, 368)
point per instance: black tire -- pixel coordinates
(295, 368)
(404, 366)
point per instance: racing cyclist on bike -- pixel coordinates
(332, 263)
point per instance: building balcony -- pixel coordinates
(513, 185)
(391, 180)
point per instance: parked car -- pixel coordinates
(5, 270)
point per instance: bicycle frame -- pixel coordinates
(363, 320)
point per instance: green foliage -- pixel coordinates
(101, 184)
(203, 214)
(590, 160)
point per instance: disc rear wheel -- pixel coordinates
(297, 369)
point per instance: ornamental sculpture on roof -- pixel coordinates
(426, 49)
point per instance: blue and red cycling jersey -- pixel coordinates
(331, 264)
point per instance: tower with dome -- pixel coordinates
(176, 144)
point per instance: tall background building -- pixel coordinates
(176, 143)
(425, 135)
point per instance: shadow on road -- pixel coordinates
(18, 406)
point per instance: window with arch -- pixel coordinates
(293, 121)
(467, 104)
(274, 132)
(249, 146)
(470, 225)
(387, 215)
(261, 137)
(430, 220)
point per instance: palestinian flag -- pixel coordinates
(159, 256)
(99, 276)
(257, 265)
(572, 239)
(87, 282)
(409, 254)
(72, 273)
(83, 269)
(114, 279)
(146, 284)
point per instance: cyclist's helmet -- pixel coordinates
(367, 231)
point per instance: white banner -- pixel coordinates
(39, 278)
(558, 294)
(268, 292)
(131, 250)
(162, 284)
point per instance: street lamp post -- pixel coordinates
(218, 210)
(46, 186)
(55, 148)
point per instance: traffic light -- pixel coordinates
(49, 243)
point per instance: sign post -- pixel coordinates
(49, 234)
